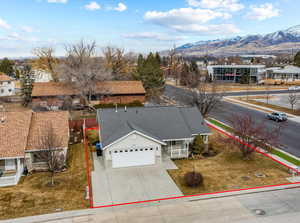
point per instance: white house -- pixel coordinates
(20, 141)
(141, 136)
(41, 76)
(7, 85)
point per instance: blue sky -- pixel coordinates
(136, 25)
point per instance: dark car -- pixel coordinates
(277, 116)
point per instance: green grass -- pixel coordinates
(286, 157)
(275, 152)
(225, 127)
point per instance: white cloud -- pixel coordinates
(204, 30)
(27, 29)
(183, 16)
(230, 5)
(121, 7)
(262, 12)
(192, 20)
(92, 6)
(153, 36)
(4, 24)
(58, 1)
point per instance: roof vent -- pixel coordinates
(125, 108)
(2, 120)
(116, 107)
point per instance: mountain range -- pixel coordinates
(280, 42)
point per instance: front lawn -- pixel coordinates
(32, 196)
(228, 171)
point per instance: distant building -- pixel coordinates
(234, 73)
(7, 85)
(248, 59)
(287, 74)
(41, 76)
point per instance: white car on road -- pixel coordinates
(294, 88)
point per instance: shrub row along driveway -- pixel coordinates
(114, 186)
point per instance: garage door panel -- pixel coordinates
(132, 158)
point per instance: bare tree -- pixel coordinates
(207, 99)
(46, 61)
(51, 151)
(293, 99)
(83, 69)
(267, 90)
(120, 63)
(254, 134)
(174, 65)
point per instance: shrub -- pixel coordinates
(93, 137)
(193, 179)
(112, 105)
(198, 146)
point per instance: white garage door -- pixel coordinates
(133, 157)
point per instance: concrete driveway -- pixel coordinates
(114, 186)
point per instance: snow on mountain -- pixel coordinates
(250, 42)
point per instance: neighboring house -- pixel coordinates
(53, 94)
(287, 74)
(7, 85)
(41, 76)
(21, 135)
(141, 136)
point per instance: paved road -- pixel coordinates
(289, 139)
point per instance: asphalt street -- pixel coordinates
(290, 136)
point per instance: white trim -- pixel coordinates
(203, 134)
(183, 139)
(38, 150)
(17, 157)
(132, 132)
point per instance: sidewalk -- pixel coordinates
(261, 108)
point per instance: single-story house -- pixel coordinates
(7, 85)
(22, 136)
(52, 94)
(141, 136)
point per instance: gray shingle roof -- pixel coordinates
(160, 123)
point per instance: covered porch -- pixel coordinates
(178, 149)
(11, 170)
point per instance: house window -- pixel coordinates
(2, 164)
(39, 157)
(2, 91)
(173, 143)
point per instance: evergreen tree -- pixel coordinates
(297, 59)
(6, 66)
(27, 81)
(149, 72)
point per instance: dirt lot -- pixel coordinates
(228, 171)
(32, 196)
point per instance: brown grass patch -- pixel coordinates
(274, 107)
(32, 196)
(228, 170)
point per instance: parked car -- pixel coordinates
(277, 116)
(294, 88)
